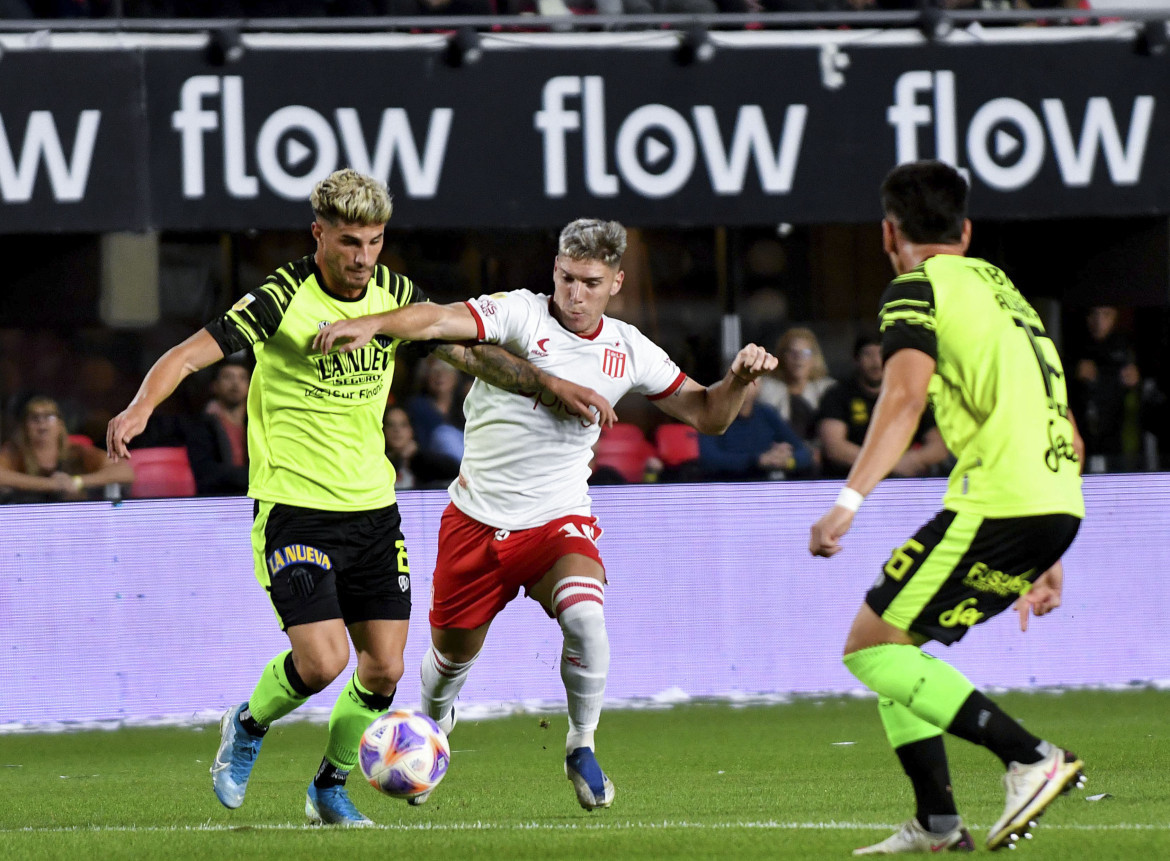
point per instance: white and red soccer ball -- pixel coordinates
(404, 753)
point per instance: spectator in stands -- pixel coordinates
(217, 441)
(846, 409)
(436, 412)
(796, 388)
(758, 444)
(414, 467)
(41, 464)
(1105, 394)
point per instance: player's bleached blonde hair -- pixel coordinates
(593, 239)
(349, 197)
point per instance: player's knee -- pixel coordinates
(319, 667)
(581, 615)
(382, 674)
(457, 655)
(457, 645)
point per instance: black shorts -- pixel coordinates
(961, 569)
(319, 565)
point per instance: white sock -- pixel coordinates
(579, 605)
(442, 679)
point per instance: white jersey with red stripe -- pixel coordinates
(526, 461)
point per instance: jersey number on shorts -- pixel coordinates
(901, 559)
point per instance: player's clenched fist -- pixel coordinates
(825, 536)
(751, 362)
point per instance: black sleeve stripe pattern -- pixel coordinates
(262, 316)
(405, 291)
(258, 320)
(283, 277)
(907, 315)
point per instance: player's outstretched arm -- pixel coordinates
(423, 321)
(895, 419)
(495, 365)
(175, 365)
(712, 409)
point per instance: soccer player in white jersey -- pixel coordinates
(520, 511)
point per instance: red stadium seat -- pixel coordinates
(624, 449)
(623, 432)
(677, 444)
(162, 471)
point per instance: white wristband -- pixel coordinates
(849, 498)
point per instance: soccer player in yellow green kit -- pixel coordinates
(955, 329)
(326, 535)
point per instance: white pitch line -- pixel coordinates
(542, 826)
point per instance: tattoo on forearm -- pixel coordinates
(492, 364)
(454, 355)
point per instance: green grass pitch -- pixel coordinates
(810, 779)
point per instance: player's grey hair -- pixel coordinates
(349, 197)
(593, 239)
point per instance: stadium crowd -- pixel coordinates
(805, 421)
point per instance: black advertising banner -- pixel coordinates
(536, 134)
(72, 142)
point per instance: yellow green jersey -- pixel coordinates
(998, 391)
(315, 422)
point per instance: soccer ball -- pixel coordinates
(404, 753)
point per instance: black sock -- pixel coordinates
(984, 723)
(925, 763)
(329, 775)
(250, 725)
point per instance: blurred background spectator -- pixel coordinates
(759, 444)
(413, 466)
(436, 411)
(42, 463)
(1105, 394)
(846, 410)
(217, 443)
(799, 382)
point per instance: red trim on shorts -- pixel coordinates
(479, 330)
(671, 389)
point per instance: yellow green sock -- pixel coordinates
(902, 725)
(931, 689)
(354, 710)
(279, 691)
